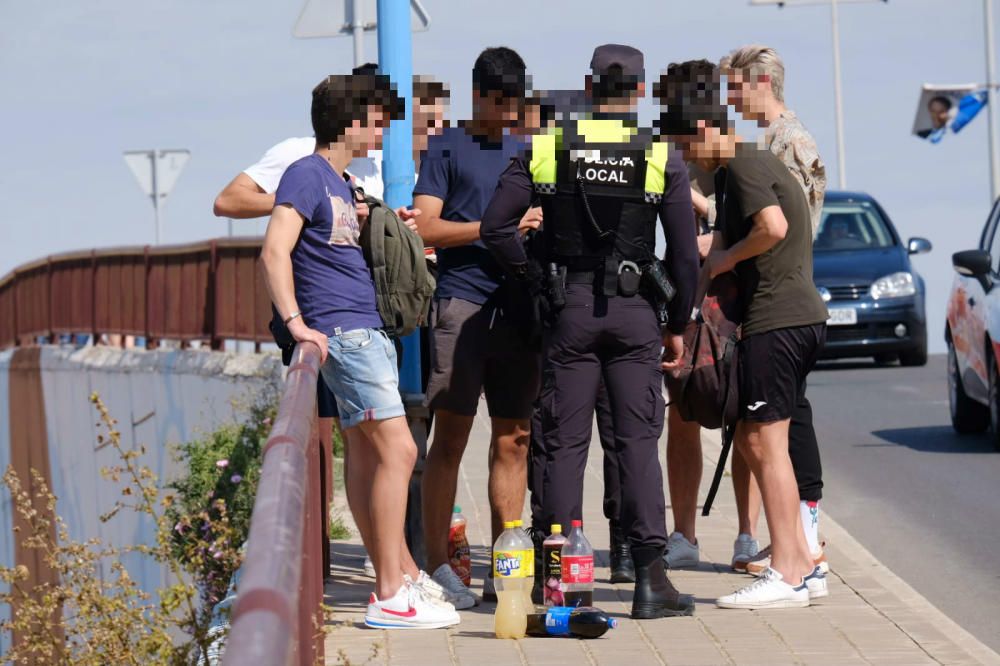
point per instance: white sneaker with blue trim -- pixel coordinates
(768, 591)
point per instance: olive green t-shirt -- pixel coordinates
(776, 287)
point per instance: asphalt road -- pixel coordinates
(923, 499)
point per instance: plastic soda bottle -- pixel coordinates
(511, 574)
(552, 558)
(459, 554)
(529, 546)
(577, 622)
(577, 568)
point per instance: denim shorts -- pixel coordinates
(361, 372)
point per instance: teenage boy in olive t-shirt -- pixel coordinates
(766, 239)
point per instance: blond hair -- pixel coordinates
(759, 59)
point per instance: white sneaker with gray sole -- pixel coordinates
(768, 591)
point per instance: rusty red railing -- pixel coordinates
(278, 618)
(210, 291)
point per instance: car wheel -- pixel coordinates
(914, 357)
(884, 359)
(967, 415)
(994, 406)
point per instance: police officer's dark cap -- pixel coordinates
(610, 55)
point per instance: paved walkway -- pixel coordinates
(870, 617)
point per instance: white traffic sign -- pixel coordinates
(157, 172)
(336, 18)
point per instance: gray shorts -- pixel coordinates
(475, 350)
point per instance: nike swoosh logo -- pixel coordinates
(409, 613)
(756, 406)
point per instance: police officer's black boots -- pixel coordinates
(655, 596)
(622, 567)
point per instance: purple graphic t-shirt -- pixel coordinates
(333, 285)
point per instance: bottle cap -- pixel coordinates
(576, 523)
(556, 528)
(508, 524)
(457, 509)
(518, 523)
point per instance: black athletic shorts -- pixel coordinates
(772, 370)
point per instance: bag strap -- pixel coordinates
(728, 429)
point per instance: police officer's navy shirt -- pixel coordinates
(333, 286)
(515, 192)
(462, 170)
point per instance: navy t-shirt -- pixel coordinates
(333, 285)
(462, 170)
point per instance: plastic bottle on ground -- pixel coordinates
(459, 554)
(584, 622)
(577, 567)
(552, 561)
(529, 546)
(511, 564)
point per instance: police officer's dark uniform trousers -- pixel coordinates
(600, 186)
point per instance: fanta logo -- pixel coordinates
(507, 564)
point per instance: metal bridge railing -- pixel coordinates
(277, 618)
(212, 290)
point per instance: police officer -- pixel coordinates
(602, 182)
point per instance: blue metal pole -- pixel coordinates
(395, 57)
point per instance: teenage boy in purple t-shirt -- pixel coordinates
(321, 286)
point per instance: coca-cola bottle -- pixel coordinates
(577, 581)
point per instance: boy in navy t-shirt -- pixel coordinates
(475, 345)
(322, 288)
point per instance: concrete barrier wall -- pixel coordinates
(160, 399)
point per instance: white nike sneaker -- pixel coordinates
(369, 567)
(816, 583)
(445, 579)
(408, 609)
(768, 591)
(745, 548)
(680, 552)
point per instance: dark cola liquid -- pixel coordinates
(579, 598)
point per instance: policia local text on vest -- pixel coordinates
(602, 183)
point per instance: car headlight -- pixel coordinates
(896, 285)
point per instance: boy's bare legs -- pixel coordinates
(765, 449)
(451, 435)
(508, 481)
(389, 456)
(747, 492)
(684, 468)
(359, 471)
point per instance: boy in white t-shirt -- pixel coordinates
(251, 193)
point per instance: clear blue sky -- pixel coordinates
(82, 82)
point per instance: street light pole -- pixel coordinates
(358, 30)
(838, 99)
(991, 98)
(837, 91)
(156, 196)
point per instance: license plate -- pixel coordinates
(842, 317)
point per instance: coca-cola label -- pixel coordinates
(577, 569)
(514, 564)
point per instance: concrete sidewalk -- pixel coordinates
(870, 617)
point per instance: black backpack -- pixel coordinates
(395, 256)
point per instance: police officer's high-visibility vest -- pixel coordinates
(610, 167)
